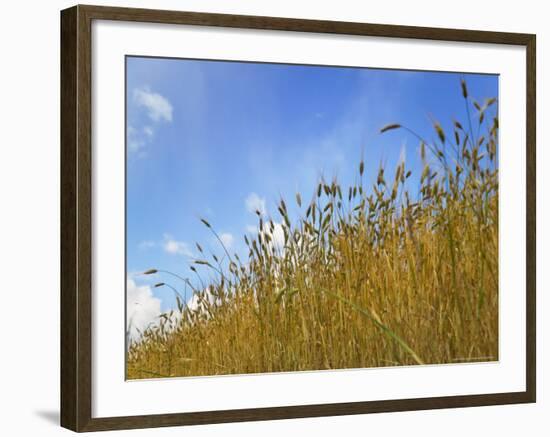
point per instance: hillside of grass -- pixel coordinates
(376, 274)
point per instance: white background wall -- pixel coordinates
(29, 218)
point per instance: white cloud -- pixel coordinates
(277, 236)
(142, 308)
(255, 203)
(175, 247)
(135, 140)
(158, 107)
(227, 239)
(201, 303)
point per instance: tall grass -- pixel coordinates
(368, 275)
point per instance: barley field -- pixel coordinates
(384, 272)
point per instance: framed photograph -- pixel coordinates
(269, 218)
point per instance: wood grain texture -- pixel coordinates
(69, 381)
(531, 217)
(76, 217)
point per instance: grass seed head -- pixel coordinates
(390, 127)
(464, 88)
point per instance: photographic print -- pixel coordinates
(284, 218)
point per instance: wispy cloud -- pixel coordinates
(158, 107)
(135, 141)
(138, 139)
(255, 203)
(146, 244)
(175, 247)
(227, 239)
(148, 130)
(305, 160)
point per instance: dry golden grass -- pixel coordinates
(367, 277)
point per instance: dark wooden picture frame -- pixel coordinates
(76, 218)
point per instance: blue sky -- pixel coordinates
(218, 139)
